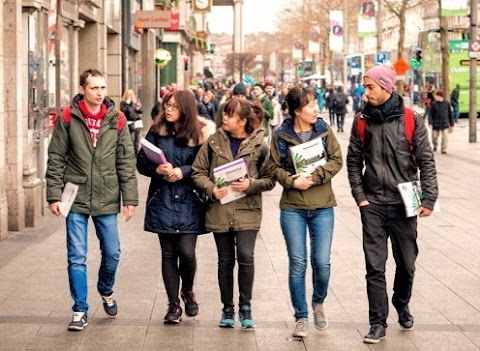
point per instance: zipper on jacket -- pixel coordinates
(384, 186)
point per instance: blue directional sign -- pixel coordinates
(381, 57)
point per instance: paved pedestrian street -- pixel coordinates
(35, 304)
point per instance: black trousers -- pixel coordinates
(379, 223)
(244, 242)
(178, 261)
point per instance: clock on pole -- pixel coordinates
(202, 5)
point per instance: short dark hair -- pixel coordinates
(297, 98)
(92, 72)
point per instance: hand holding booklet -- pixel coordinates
(153, 153)
(68, 197)
(308, 156)
(228, 173)
(411, 193)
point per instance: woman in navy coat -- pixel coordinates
(174, 211)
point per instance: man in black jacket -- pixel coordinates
(376, 165)
(440, 118)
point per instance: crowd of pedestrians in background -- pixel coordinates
(212, 125)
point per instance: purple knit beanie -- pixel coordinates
(383, 75)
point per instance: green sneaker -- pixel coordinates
(228, 318)
(245, 317)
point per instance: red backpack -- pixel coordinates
(409, 120)
(67, 113)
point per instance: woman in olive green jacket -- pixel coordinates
(234, 224)
(307, 201)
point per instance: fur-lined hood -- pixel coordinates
(208, 128)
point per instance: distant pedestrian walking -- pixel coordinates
(455, 102)
(91, 148)
(133, 111)
(235, 224)
(376, 164)
(174, 211)
(340, 101)
(307, 202)
(330, 106)
(440, 118)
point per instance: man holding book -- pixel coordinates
(92, 149)
(377, 164)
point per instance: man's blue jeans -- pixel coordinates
(320, 227)
(77, 247)
(456, 111)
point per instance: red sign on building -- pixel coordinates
(174, 20)
(152, 19)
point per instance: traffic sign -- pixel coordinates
(401, 67)
(381, 57)
(474, 49)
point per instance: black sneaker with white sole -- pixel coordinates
(110, 306)
(79, 321)
(174, 313)
(405, 318)
(375, 334)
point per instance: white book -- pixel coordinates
(68, 197)
(308, 156)
(226, 174)
(411, 193)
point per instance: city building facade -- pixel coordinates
(46, 44)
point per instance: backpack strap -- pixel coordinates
(409, 120)
(361, 128)
(67, 114)
(122, 120)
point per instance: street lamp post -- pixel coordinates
(472, 116)
(345, 45)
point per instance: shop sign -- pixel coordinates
(153, 19)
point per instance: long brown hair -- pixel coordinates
(188, 126)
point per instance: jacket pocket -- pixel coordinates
(110, 189)
(81, 181)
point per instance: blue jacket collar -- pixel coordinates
(319, 127)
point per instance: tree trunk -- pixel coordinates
(401, 41)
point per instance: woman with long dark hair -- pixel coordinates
(235, 224)
(179, 133)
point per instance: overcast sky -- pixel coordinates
(258, 16)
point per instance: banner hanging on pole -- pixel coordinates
(367, 23)
(335, 41)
